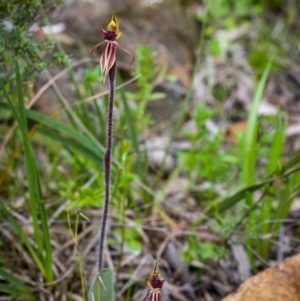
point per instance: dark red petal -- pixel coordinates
(109, 35)
(111, 55)
(157, 283)
(146, 296)
(96, 46)
(124, 49)
(108, 58)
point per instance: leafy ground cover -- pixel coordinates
(212, 191)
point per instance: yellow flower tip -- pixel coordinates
(155, 273)
(113, 24)
(148, 282)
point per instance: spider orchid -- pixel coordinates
(108, 67)
(155, 284)
(108, 56)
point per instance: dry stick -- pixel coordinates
(107, 162)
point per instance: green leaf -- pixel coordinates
(69, 142)
(250, 142)
(22, 235)
(229, 201)
(102, 288)
(65, 129)
(156, 96)
(250, 146)
(15, 287)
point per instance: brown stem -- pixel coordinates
(107, 162)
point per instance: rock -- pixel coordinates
(241, 258)
(156, 158)
(156, 150)
(281, 282)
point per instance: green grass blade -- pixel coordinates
(65, 129)
(4, 106)
(290, 192)
(278, 142)
(21, 106)
(35, 202)
(287, 196)
(101, 121)
(86, 120)
(250, 149)
(226, 203)
(267, 204)
(69, 142)
(24, 239)
(15, 293)
(249, 144)
(142, 160)
(29, 171)
(289, 165)
(10, 105)
(129, 120)
(15, 287)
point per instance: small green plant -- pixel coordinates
(147, 73)
(206, 160)
(199, 251)
(19, 40)
(229, 13)
(271, 207)
(91, 78)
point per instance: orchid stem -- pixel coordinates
(107, 162)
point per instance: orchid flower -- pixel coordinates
(108, 56)
(155, 284)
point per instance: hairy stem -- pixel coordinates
(107, 162)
